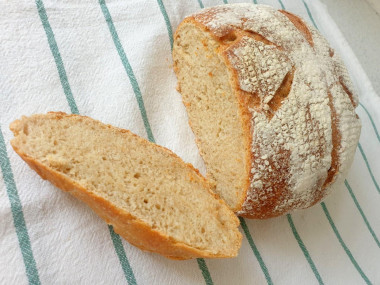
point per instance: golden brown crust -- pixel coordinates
(134, 230)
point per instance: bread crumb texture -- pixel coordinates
(271, 67)
(143, 184)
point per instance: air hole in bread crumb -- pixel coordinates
(146, 201)
(66, 170)
(137, 175)
(26, 129)
(158, 207)
(331, 52)
(219, 131)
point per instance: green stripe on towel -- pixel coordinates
(348, 252)
(255, 251)
(206, 274)
(200, 4)
(282, 4)
(74, 109)
(372, 122)
(361, 212)
(128, 272)
(167, 22)
(127, 67)
(18, 215)
(369, 168)
(304, 249)
(310, 15)
(57, 56)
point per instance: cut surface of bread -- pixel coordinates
(271, 105)
(151, 197)
(213, 111)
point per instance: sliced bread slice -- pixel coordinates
(152, 198)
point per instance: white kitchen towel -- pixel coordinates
(111, 60)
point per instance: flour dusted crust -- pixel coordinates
(300, 103)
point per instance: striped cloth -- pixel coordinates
(111, 60)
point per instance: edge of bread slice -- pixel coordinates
(152, 198)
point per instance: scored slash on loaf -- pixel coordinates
(271, 105)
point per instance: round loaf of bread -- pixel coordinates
(271, 105)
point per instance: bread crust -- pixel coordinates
(131, 228)
(239, 29)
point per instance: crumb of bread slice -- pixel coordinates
(152, 198)
(222, 134)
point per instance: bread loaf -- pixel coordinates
(151, 197)
(271, 105)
